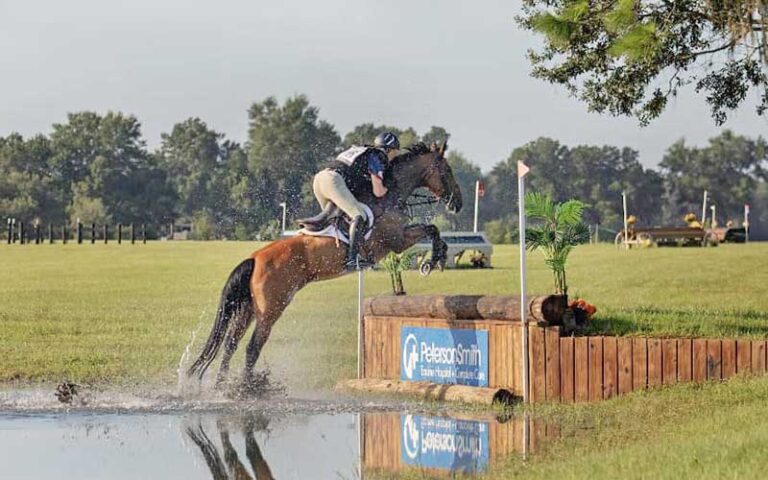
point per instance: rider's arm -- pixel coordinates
(376, 171)
(378, 186)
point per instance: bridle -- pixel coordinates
(430, 199)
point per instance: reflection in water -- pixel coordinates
(251, 445)
(249, 425)
(443, 445)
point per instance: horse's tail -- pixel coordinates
(235, 300)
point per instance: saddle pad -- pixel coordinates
(333, 232)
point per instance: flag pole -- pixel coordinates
(522, 170)
(360, 326)
(626, 227)
(477, 203)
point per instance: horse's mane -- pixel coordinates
(415, 150)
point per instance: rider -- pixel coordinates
(352, 172)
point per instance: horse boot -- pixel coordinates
(356, 233)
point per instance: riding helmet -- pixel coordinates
(387, 141)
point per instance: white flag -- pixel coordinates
(522, 169)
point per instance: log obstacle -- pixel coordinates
(547, 310)
(475, 341)
(432, 391)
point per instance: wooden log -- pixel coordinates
(625, 365)
(743, 356)
(610, 367)
(669, 361)
(547, 309)
(639, 363)
(595, 368)
(552, 342)
(729, 358)
(567, 369)
(581, 369)
(684, 360)
(654, 362)
(431, 391)
(714, 360)
(537, 373)
(699, 360)
(758, 356)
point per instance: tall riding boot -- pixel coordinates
(356, 232)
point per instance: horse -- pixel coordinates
(262, 285)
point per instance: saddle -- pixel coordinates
(327, 216)
(333, 216)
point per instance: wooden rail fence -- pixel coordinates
(570, 369)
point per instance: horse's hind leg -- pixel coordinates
(259, 337)
(234, 335)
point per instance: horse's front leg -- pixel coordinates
(413, 233)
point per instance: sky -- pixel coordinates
(455, 63)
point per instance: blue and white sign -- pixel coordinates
(441, 355)
(444, 443)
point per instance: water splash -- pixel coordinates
(181, 378)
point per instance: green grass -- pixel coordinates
(688, 431)
(109, 313)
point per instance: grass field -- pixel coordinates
(109, 313)
(123, 315)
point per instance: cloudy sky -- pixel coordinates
(454, 63)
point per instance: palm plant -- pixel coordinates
(395, 264)
(557, 228)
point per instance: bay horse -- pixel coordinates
(262, 285)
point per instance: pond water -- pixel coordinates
(288, 439)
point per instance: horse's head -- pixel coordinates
(428, 168)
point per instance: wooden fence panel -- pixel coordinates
(625, 365)
(610, 367)
(743, 356)
(684, 360)
(669, 361)
(537, 364)
(758, 356)
(654, 362)
(639, 363)
(517, 359)
(497, 354)
(729, 358)
(552, 345)
(581, 369)
(567, 367)
(595, 368)
(700, 362)
(714, 360)
(508, 376)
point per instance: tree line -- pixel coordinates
(98, 168)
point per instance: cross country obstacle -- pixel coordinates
(469, 348)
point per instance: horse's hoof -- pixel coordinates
(425, 269)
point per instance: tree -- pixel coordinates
(365, 134)
(628, 57)
(286, 146)
(105, 158)
(436, 135)
(193, 159)
(556, 228)
(27, 189)
(729, 168)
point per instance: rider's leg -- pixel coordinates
(333, 188)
